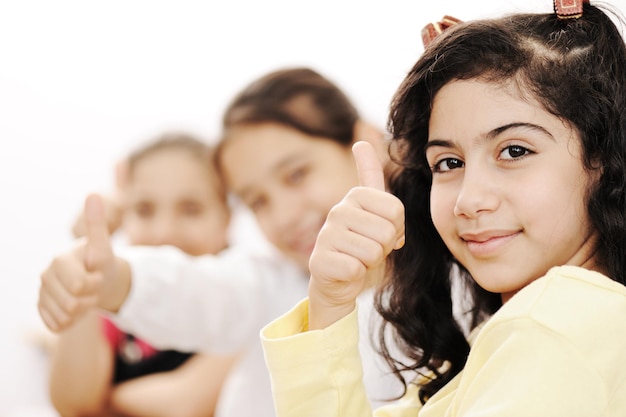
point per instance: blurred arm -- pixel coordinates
(191, 390)
(81, 369)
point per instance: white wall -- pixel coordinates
(82, 82)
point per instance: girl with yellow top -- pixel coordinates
(511, 137)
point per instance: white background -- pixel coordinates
(83, 82)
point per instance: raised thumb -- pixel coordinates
(98, 247)
(368, 166)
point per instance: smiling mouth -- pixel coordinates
(482, 247)
(304, 245)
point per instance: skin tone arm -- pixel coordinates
(191, 390)
(81, 369)
(81, 375)
(352, 245)
(88, 276)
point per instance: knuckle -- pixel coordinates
(335, 212)
(354, 268)
(397, 210)
(71, 306)
(45, 278)
(389, 237)
(63, 322)
(374, 255)
(77, 287)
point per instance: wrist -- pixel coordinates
(323, 315)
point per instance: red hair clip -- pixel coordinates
(569, 9)
(432, 30)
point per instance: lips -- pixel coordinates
(488, 243)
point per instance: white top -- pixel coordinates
(218, 304)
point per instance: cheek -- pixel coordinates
(442, 210)
(268, 229)
(560, 214)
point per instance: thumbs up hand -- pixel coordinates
(351, 248)
(98, 251)
(79, 280)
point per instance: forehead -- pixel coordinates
(173, 170)
(267, 145)
(162, 158)
(252, 154)
(464, 108)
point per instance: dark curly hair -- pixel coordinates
(576, 68)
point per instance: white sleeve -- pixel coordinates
(210, 303)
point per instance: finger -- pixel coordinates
(372, 227)
(50, 322)
(56, 318)
(78, 229)
(53, 299)
(97, 233)
(400, 242)
(52, 314)
(369, 168)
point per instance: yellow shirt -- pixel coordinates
(557, 348)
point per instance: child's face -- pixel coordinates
(508, 189)
(172, 200)
(289, 180)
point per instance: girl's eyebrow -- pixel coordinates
(437, 142)
(492, 134)
(531, 126)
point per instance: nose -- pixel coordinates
(478, 193)
(164, 230)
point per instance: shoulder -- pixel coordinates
(578, 309)
(567, 330)
(566, 295)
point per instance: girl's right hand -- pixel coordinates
(354, 242)
(85, 277)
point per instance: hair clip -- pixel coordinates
(569, 9)
(432, 30)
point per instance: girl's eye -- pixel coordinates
(296, 176)
(144, 210)
(514, 152)
(447, 164)
(256, 204)
(191, 209)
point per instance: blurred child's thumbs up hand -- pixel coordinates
(98, 246)
(76, 281)
(354, 242)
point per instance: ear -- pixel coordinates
(368, 132)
